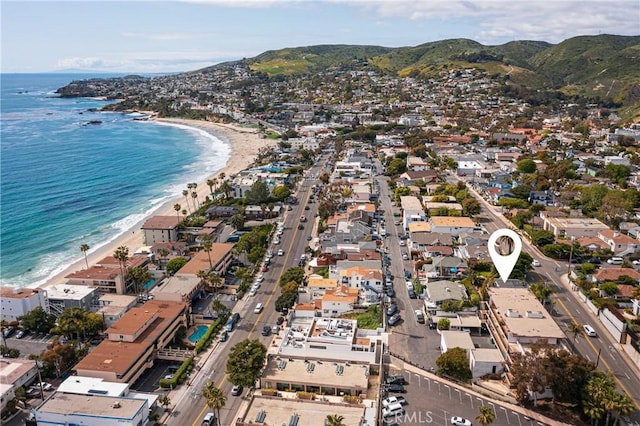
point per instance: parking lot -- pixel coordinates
(430, 401)
(31, 343)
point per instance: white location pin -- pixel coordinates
(505, 263)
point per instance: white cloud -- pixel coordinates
(549, 20)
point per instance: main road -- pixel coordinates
(189, 405)
(602, 350)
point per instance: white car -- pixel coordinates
(459, 421)
(280, 252)
(402, 243)
(535, 262)
(276, 241)
(260, 278)
(253, 291)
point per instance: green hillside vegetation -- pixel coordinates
(601, 68)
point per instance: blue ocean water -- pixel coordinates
(64, 182)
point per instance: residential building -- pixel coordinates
(18, 301)
(412, 210)
(573, 227)
(337, 301)
(450, 339)
(15, 373)
(107, 274)
(451, 224)
(73, 409)
(330, 340)
(160, 229)
(64, 296)
(113, 306)
(517, 320)
(438, 292)
(620, 244)
(483, 361)
(218, 259)
(180, 288)
(134, 342)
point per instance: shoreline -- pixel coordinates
(244, 145)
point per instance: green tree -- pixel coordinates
(295, 274)
(175, 264)
(218, 306)
(38, 320)
(454, 363)
(139, 277)
(486, 415)
(541, 290)
(609, 287)
(215, 397)
(575, 329)
(567, 375)
(281, 193)
(526, 165)
(207, 245)
(177, 208)
(76, 321)
(122, 255)
(396, 167)
(237, 221)
(164, 401)
(471, 207)
(334, 420)
(444, 324)
(84, 248)
(59, 357)
(285, 301)
(258, 193)
(245, 362)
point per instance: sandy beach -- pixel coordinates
(245, 144)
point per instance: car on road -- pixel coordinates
(300, 226)
(253, 291)
(223, 336)
(459, 421)
(306, 207)
(308, 237)
(265, 268)
(536, 263)
(260, 278)
(236, 390)
(402, 243)
(412, 294)
(589, 331)
(266, 330)
(391, 292)
(394, 319)
(280, 252)
(21, 333)
(394, 388)
(280, 320)
(405, 256)
(258, 308)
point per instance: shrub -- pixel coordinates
(179, 375)
(306, 395)
(211, 331)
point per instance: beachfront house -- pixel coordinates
(160, 229)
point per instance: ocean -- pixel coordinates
(65, 182)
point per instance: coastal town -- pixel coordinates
(344, 276)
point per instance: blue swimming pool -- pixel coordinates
(198, 333)
(149, 284)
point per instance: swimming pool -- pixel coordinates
(149, 284)
(198, 333)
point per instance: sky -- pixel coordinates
(147, 36)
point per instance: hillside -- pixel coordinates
(604, 67)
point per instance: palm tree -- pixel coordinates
(215, 280)
(623, 407)
(185, 193)
(216, 399)
(206, 246)
(222, 176)
(177, 207)
(196, 204)
(122, 255)
(165, 401)
(210, 185)
(84, 248)
(335, 420)
(163, 252)
(575, 329)
(486, 416)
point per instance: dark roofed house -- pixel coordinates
(221, 211)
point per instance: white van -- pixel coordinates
(392, 410)
(258, 308)
(589, 331)
(615, 261)
(209, 419)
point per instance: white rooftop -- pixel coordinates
(68, 292)
(93, 386)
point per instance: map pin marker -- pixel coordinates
(505, 263)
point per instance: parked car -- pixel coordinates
(391, 292)
(236, 390)
(266, 330)
(595, 260)
(391, 310)
(280, 252)
(459, 421)
(9, 331)
(280, 320)
(397, 380)
(393, 400)
(412, 294)
(394, 388)
(253, 291)
(394, 319)
(223, 336)
(21, 333)
(536, 263)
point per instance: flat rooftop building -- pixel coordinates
(67, 409)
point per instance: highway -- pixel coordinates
(602, 349)
(189, 406)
